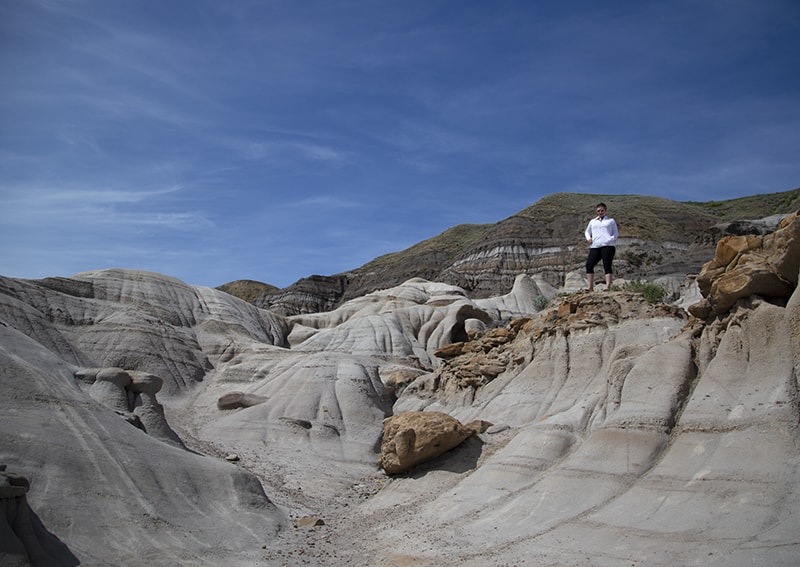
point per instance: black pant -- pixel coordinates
(606, 253)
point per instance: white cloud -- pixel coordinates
(320, 153)
(322, 202)
(44, 209)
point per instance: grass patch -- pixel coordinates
(540, 302)
(653, 293)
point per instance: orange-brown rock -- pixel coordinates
(451, 350)
(750, 265)
(567, 308)
(411, 438)
(499, 336)
(479, 425)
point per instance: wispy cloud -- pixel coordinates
(324, 202)
(46, 197)
(280, 150)
(52, 209)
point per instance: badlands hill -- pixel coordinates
(657, 237)
(147, 422)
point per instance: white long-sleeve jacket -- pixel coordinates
(602, 232)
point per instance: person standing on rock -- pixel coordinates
(601, 234)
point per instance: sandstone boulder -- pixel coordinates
(412, 438)
(750, 265)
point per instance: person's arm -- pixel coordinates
(588, 233)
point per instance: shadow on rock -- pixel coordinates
(24, 539)
(463, 458)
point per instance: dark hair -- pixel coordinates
(600, 205)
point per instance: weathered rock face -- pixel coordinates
(109, 476)
(234, 378)
(750, 265)
(136, 320)
(412, 438)
(753, 227)
(23, 539)
(467, 369)
(626, 425)
(131, 395)
(309, 295)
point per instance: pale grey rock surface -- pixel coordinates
(23, 539)
(626, 447)
(109, 492)
(624, 434)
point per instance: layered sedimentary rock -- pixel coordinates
(109, 477)
(309, 295)
(87, 363)
(624, 432)
(657, 237)
(629, 437)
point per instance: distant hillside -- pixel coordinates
(249, 290)
(752, 207)
(657, 236)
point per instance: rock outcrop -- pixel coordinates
(468, 367)
(111, 492)
(750, 265)
(131, 394)
(626, 425)
(24, 541)
(308, 295)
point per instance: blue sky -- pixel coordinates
(214, 141)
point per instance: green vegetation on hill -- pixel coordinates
(638, 216)
(440, 249)
(652, 292)
(753, 206)
(560, 217)
(247, 290)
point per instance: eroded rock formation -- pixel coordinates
(750, 265)
(626, 431)
(131, 394)
(24, 541)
